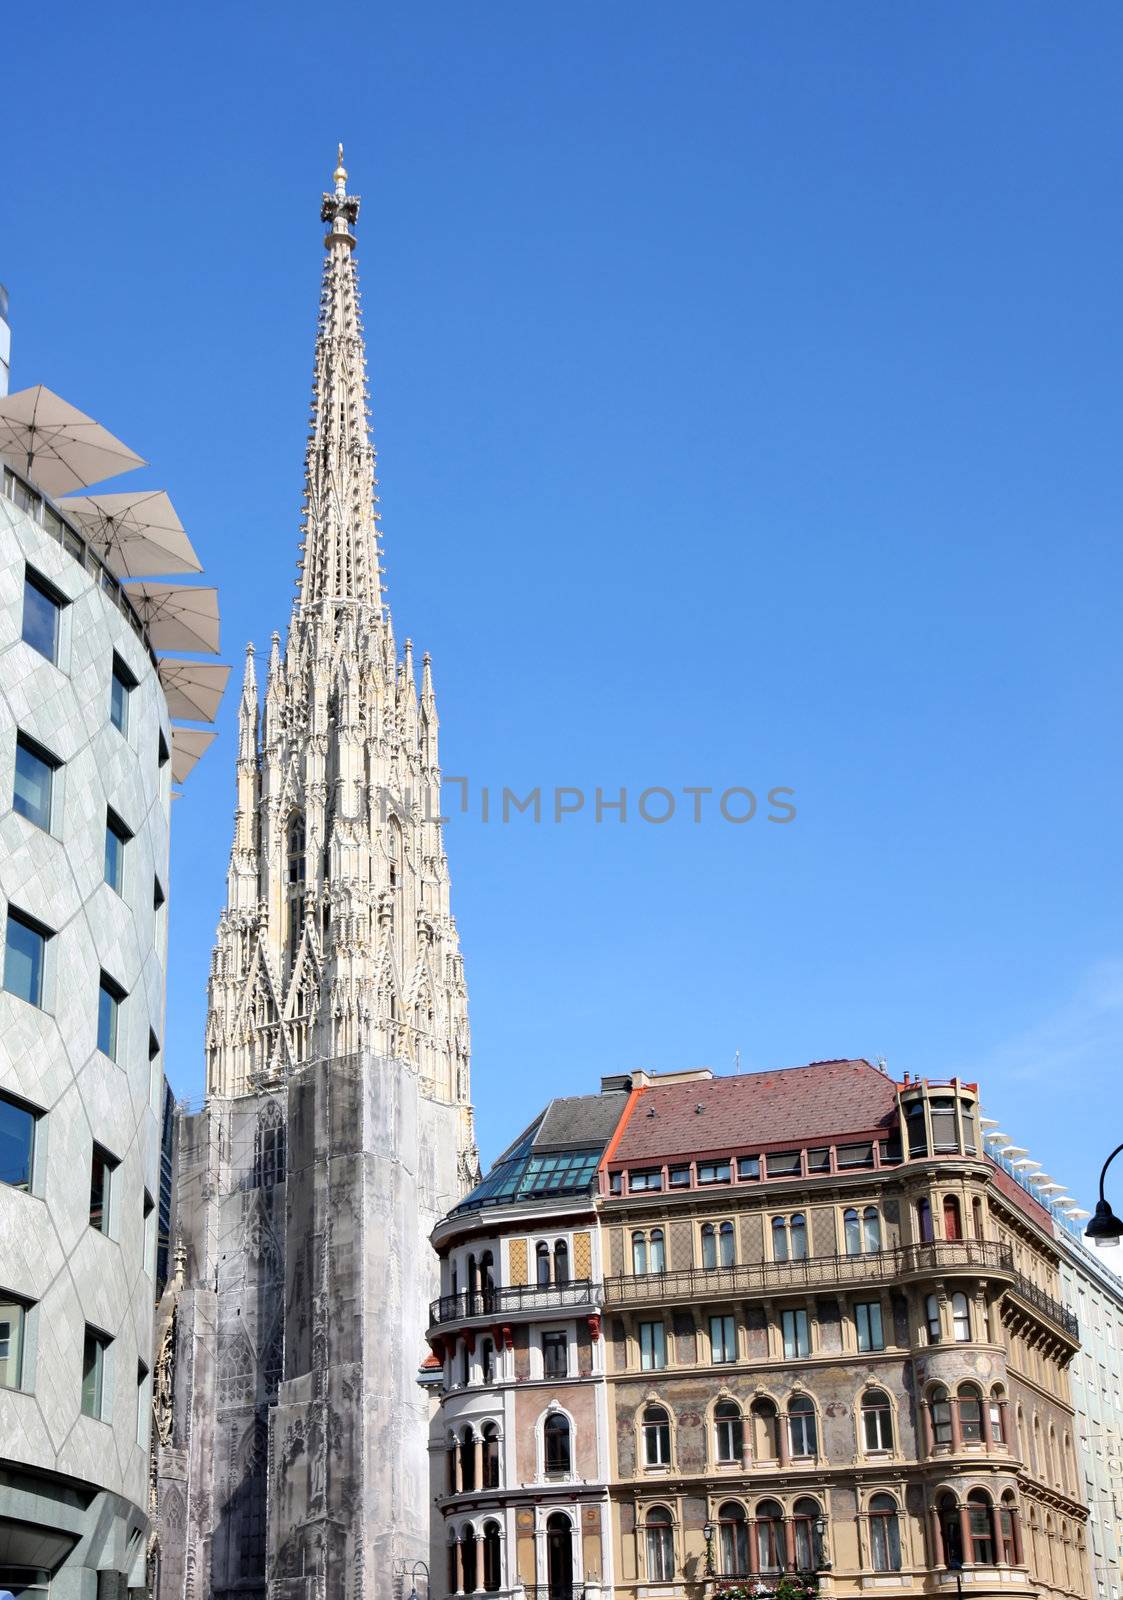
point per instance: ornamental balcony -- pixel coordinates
(1044, 1305)
(940, 1257)
(497, 1304)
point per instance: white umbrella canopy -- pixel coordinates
(177, 616)
(134, 533)
(56, 446)
(193, 689)
(188, 744)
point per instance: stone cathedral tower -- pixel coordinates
(291, 1450)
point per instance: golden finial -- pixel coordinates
(340, 176)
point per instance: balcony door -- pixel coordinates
(559, 1556)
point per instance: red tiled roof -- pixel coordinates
(825, 1101)
(1013, 1190)
(431, 1363)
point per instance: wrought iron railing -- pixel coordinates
(1047, 1305)
(876, 1266)
(497, 1302)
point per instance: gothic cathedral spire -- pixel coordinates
(337, 936)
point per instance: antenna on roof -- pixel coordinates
(882, 1065)
(737, 1061)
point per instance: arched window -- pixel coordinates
(493, 1563)
(941, 1414)
(729, 1432)
(932, 1317)
(1006, 1515)
(709, 1246)
(924, 1221)
(473, 1276)
(766, 1431)
(770, 1536)
(487, 1360)
(808, 1546)
(885, 1533)
(294, 842)
(801, 1426)
(465, 1364)
(658, 1251)
(977, 1218)
(660, 1545)
(639, 1254)
(779, 1239)
(542, 1262)
(467, 1461)
(1054, 1475)
(726, 1246)
(453, 1566)
(852, 1231)
(491, 1456)
(953, 1222)
(961, 1317)
(733, 1540)
(970, 1414)
(997, 1415)
(877, 1420)
(871, 1228)
(656, 1437)
(799, 1237)
(982, 1528)
(468, 1557)
(451, 1455)
(269, 1147)
(487, 1278)
(561, 1262)
(555, 1436)
(559, 1553)
(918, 1133)
(947, 1509)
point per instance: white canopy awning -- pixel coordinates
(193, 689)
(56, 446)
(188, 744)
(177, 616)
(134, 533)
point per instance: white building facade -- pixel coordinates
(85, 791)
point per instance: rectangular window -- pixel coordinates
(158, 895)
(748, 1167)
(638, 1181)
(652, 1346)
(42, 608)
(854, 1155)
(121, 686)
(783, 1163)
(162, 752)
(819, 1160)
(867, 1316)
(143, 1405)
(797, 1341)
(117, 837)
(17, 1143)
(101, 1180)
(723, 1340)
(110, 995)
(715, 1171)
(13, 1320)
(555, 1355)
(616, 1183)
(93, 1373)
(25, 949)
(680, 1177)
(34, 782)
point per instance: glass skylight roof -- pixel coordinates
(522, 1174)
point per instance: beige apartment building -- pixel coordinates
(823, 1350)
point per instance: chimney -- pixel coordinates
(5, 341)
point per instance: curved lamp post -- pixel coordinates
(1105, 1227)
(708, 1535)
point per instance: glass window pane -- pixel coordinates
(100, 1169)
(116, 835)
(12, 1315)
(31, 790)
(119, 702)
(40, 619)
(107, 1012)
(93, 1367)
(17, 1144)
(23, 960)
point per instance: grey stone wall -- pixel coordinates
(298, 1460)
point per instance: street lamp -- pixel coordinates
(418, 1566)
(708, 1535)
(1105, 1227)
(822, 1564)
(955, 1564)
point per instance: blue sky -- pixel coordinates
(746, 387)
